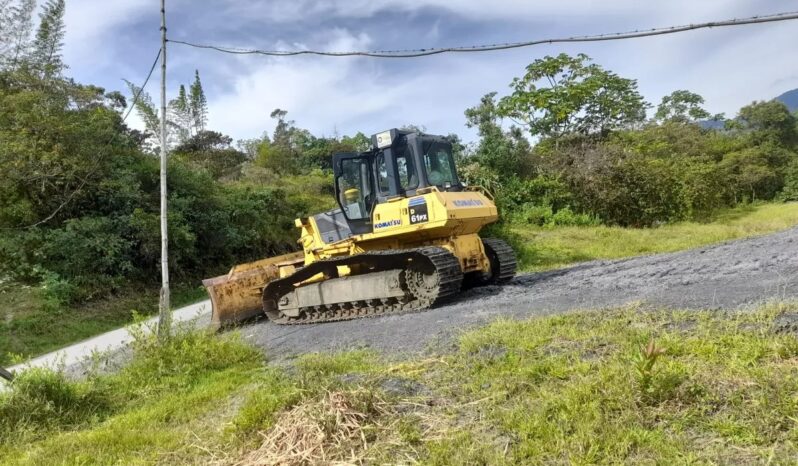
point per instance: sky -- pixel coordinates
(111, 40)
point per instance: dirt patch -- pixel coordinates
(786, 323)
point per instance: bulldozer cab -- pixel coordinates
(400, 164)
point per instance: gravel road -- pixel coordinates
(725, 276)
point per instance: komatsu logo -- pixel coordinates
(468, 203)
(389, 223)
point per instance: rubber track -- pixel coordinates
(506, 258)
(446, 266)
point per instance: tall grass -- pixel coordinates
(150, 406)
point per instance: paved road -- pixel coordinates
(111, 341)
(730, 275)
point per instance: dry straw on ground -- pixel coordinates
(330, 430)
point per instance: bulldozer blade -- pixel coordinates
(236, 296)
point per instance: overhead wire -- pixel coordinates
(141, 89)
(421, 52)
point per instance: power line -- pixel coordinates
(141, 89)
(411, 53)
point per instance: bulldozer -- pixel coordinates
(405, 237)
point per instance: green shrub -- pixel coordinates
(184, 357)
(89, 250)
(41, 399)
(531, 214)
(57, 291)
(567, 217)
(790, 192)
(544, 216)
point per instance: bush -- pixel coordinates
(544, 216)
(567, 217)
(516, 192)
(181, 359)
(41, 399)
(618, 186)
(790, 192)
(89, 250)
(58, 291)
(532, 214)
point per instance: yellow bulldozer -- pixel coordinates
(404, 238)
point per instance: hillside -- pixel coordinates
(790, 99)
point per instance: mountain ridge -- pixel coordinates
(790, 99)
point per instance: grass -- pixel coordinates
(30, 325)
(547, 248)
(161, 407)
(581, 388)
(567, 389)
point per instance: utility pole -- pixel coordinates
(164, 311)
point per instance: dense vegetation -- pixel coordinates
(598, 159)
(571, 144)
(79, 194)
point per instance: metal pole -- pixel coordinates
(164, 311)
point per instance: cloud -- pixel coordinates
(91, 21)
(321, 92)
(516, 10)
(107, 40)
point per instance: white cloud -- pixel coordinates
(730, 67)
(91, 22)
(296, 10)
(321, 93)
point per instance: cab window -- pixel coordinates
(406, 170)
(439, 165)
(354, 189)
(408, 177)
(382, 175)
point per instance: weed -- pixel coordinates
(644, 362)
(180, 360)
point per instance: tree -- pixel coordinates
(146, 109)
(211, 151)
(358, 143)
(181, 119)
(682, 106)
(16, 26)
(790, 192)
(198, 105)
(499, 151)
(769, 122)
(565, 94)
(283, 129)
(755, 173)
(186, 114)
(50, 40)
(420, 129)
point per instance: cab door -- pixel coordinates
(354, 189)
